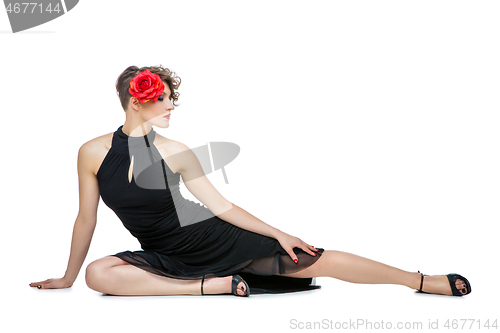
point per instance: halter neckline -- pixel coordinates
(128, 145)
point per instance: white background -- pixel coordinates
(369, 127)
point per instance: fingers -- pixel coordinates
(294, 242)
(292, 255)
(306, 248)
(41, 284)
(36, 284)
(309, 249)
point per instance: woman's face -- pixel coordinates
(156, 112)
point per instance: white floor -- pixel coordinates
(337, 305)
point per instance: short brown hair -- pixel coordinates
(123, 82)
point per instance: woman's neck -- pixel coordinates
(137, 129)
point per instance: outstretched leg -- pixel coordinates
(111, 275)
(353, 268)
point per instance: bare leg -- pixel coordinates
(111, 275)
(352, 268)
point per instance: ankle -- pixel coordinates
(217, 285)
(414, 280)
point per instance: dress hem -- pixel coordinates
(258, 281)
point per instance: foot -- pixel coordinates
(439, 284)
(222, 285)
(241, 288)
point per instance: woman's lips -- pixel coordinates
(168, 117)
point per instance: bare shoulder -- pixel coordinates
(93, 151)
(168, 148)
(169, 144)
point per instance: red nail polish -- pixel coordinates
(296, 260)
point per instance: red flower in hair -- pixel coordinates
(146, 86)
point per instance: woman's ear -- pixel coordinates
(134, 103)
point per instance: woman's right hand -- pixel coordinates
(52, 284)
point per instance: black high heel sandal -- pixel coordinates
(234, 284)
(451, 279)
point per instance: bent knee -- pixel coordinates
(96, 275)
(93, 275)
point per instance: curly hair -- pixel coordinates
(123, 82)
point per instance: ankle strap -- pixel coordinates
(421, 281)
(202, 284)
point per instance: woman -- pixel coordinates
(188, 249)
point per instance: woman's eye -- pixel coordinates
(160, 98)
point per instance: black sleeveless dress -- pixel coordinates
(182, 239)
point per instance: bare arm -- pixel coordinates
(198, 184)
(85, 222)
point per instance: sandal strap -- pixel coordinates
(451, 279)
(202, 284)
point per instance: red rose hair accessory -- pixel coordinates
(146, 86)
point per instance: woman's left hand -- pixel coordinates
(288, 242)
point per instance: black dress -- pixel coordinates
(180, 238)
